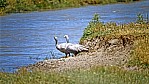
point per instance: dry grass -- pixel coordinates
(140, 54)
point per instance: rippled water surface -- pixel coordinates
(26, 38)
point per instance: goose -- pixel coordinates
(74, 48)
(67, 38)
(61, 47)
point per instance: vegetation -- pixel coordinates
(12, 6)
(140, 54)
(137, 32)
(101, 74)
(96, 75)
(97, 28)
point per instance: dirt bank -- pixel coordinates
(113, 52)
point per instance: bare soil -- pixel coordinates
(111, 52)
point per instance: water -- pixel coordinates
(26, 38)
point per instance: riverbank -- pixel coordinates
(14, 6)
(125, 49)
(113, 55)
(118, 53)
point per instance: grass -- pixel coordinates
(111, 29)
(95, 75)
(109, 75)
(24, 77)
(137, 32)
(140, 54)
(13, 6)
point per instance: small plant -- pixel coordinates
(141, 19)
(46, 58)
(91, 28)
(94, 21)
(95, 18)
(52, 55)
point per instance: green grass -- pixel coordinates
(24, 77)
(95, 75)
(112, 29)
(13, 6)
(137, 32)
(109, 75)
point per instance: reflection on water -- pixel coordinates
(28, 38)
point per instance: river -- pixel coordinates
(26, 38)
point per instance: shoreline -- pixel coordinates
(113, 55)
(50, 6)
(117, 56)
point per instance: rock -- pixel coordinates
(113, 41)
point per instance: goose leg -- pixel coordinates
(69, 54)
(66, 55)
(75, 54)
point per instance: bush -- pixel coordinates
(91, 28)
(3, 3)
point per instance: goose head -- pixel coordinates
(55, 38)
(67, 38)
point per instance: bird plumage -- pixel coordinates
(74, 48)
(61, 47)
(67, 38)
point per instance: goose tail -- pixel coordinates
(82, 49)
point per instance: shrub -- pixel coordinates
(3, 3)
(91, 28)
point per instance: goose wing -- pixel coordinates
(81, 47)
(73, 48)
(62, 47)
